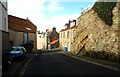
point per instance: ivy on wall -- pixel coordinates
(104, 11)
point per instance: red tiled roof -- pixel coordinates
(20, 24)
(54, 41)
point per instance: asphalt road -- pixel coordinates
(54, 63)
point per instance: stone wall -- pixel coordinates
(96, 36)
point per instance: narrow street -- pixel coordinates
(50, 63)
(59, 38)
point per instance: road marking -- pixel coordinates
(116, 69)
(25, 66)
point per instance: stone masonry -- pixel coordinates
(96, 36)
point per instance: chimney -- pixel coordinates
(69, 22)
(27, 18)
(47, 30)
(67, 25)
(74, 21)
(38, 32)
(54, 29)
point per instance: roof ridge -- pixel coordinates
(17, 17)
(68, 28)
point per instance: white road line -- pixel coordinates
(24, 68)
(116, 69)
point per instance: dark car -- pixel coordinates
(17, 53)
(5, 62)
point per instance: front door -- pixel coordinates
(25, 37)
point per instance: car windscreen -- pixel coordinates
(17, 49)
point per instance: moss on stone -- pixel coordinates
(104, 11)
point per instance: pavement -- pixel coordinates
(103, 63)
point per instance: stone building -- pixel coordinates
(53, 38)
(97, 37)
(67, 36)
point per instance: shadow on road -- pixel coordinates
(47, 51)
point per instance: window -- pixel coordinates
(4, 24)
(40, 36)
(25, 37)
(43, 36)
(61, 35)
(61, 43)
(68, 34)
(68, 45)
(64, 35)
(64, 44)
(74, 33)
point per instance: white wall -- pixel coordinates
(3, 16)
(4, 20)
(0, 16)
(3, 13)
(41, 42)
(4, 2)
(45, 41)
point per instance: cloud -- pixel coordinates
(24, 7)
(59, 21)
(54, 6)
(36, 10)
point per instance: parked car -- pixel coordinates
(28, 46)
(17, 53)
(5, 62)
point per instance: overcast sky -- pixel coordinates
(48, 13)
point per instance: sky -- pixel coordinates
(46, 14)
